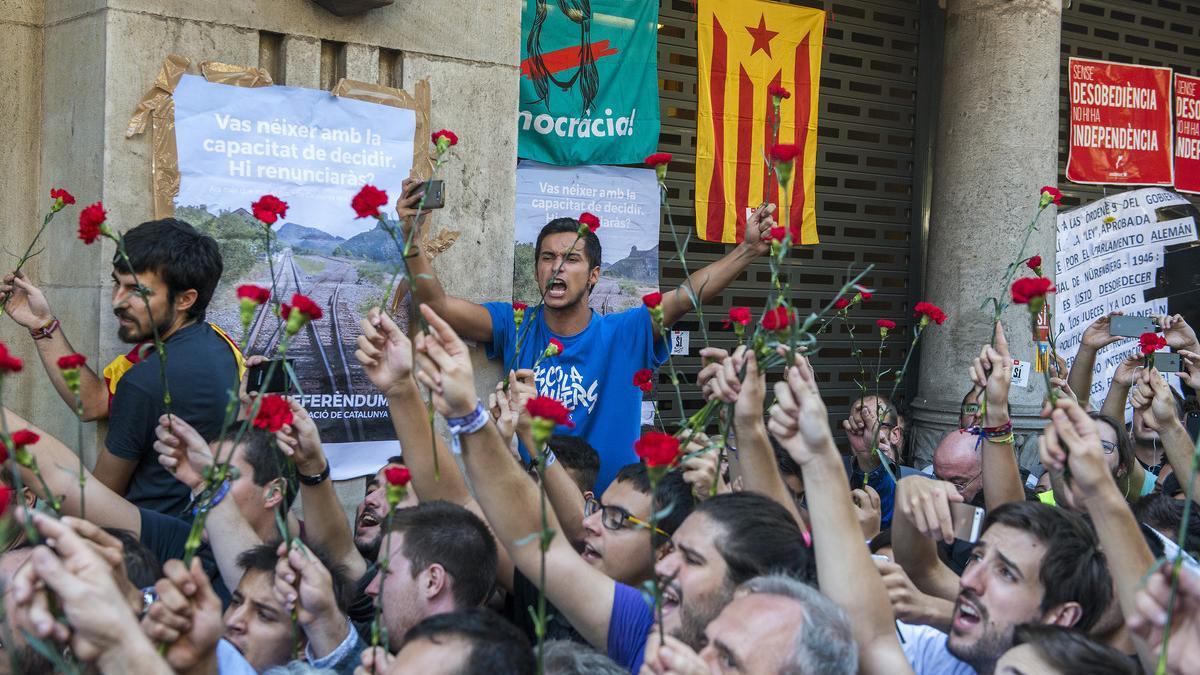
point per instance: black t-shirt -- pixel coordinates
(201, 371)
(525, 595)
(167, 537)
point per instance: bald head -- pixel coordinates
(956, 460)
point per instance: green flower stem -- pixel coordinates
(681, 250)
(30, 531)
(998, 303)
(82, 470)
(544, 539)
(378, 630)
(1180, 540)
(28, 254)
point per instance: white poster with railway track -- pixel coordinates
(626, 201)
(314, 151)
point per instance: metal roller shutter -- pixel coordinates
(864, 187)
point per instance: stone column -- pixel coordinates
(996, 146)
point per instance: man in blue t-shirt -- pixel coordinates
(594, 375)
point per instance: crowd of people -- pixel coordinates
(773, 551)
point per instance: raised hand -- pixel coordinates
(710, 384)
(758, 225)
(1178, 333)
(867, 510)
(99, 622)
(446, 367)
(186, 617)
(1153, 397)
(799, 420)
(301, 441)
(26, 303)
(406, 204)
(926, 504)
(1097, 336)
(374, 661)
(303, 584)
(700, 470)
(671, 657)
(1150, 620)
(384, 352)
(1072, 438)
(908, 602)
(182, 450)
(992, 371)
(1190, 374)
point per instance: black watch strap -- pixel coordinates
(317, 479)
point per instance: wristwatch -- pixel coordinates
(314, 480)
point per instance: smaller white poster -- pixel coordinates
(1020, 373)
(626, 202)
(1107, 256)
(680, 340)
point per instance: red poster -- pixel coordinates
(1187, 133)
(1120, 123)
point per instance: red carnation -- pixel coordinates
(269, 208)
(740, 315)
(785, 152)
(1034, 263)
(777, 319)
(776, 234)
(927, 311)
(589, 219)
(444, 136)
(864, 293)
(367, 201)
(885, 324)
(1151, 342)
(24, 437)
(657, 449)
(91, 222)
(652, 300)
(519, 307)
(1051, 194)
(644, 379)
(1026, 289)
(6, 495)
(553, 349)
(776, 91)
(306, 306)
(258, 294)
(58, 193)
(8, 362)
(551, 409)
(841, 303)
(273, 413)
(397, 475)
(71, 361)
(658, 159)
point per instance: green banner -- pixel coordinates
(589, 81)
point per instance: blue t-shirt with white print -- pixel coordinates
(593, 376)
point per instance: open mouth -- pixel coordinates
(558, 289)
(670, 598)
(368, 519)
(966, 616)
(589, 554)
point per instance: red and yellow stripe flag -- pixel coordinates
(745, 47)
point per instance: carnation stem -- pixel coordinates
(27, 255)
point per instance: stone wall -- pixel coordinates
(77, 68)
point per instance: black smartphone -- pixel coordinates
(1166, 362)
(280, 383)
(1131, 326)
(435, 193)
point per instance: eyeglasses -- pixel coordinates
(961, 487)
(1109, 447)
(616, 518)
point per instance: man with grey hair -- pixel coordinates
(775, 624)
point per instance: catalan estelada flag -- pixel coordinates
(745, 47)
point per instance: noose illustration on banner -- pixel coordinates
(580, 12)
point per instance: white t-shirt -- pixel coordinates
(926, 651)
